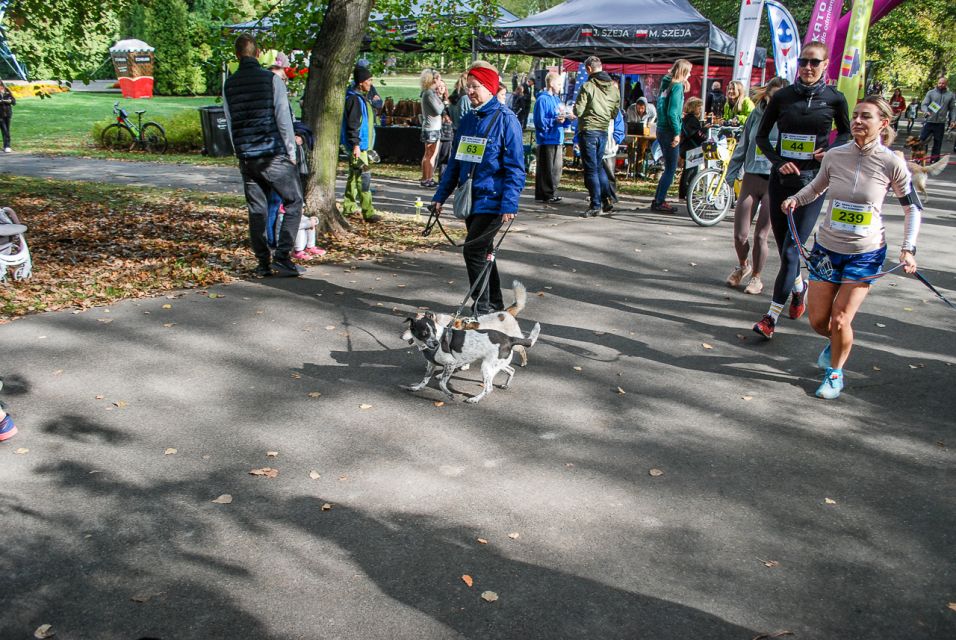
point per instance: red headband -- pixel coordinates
(487, 77)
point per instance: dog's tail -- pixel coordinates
(937, 167)
(521, 299)
(528, 342)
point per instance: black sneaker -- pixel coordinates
(262, 271)
(286, 269)
(607, 206)
(372, 218)
(554, 200)
(591, 213)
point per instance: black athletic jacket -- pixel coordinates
(807, 110)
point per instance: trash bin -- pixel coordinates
(215, 133)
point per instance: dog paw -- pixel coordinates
(465, 367)
(503, 386)
(473, 400)
(412, 387)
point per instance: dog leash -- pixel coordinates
(435, 220)
(484, 278)
(822, 276)
(825, 272)
(922, 278)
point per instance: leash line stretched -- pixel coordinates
(806, 259)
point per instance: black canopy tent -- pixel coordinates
(615, 31)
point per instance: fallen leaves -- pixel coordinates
(264, 472)
(829, 501)
(272, 454)
(167, 306)
(952, 606)
(315, 475)
(439, 403)
(20, 451)
(44, 631)
(467, 579)
(120, 404)
(774, 634)
(747, 398)
(489, 596)
(706, 345)
(655, 473)
(326, 507)
(365, 406)
(315, 394)
(514, 535)
(223, 499)
(621, 391)
(482, 541)
(770, 564)
(577, 368)
(169, 451)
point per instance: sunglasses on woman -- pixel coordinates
(813, 62)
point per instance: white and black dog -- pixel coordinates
(451, 349)
(504, 321)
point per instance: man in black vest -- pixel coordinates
(260, 124)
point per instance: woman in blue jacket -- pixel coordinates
(496, 166)
(550, 119)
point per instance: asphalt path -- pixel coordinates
(775, 511)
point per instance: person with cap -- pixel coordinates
(259, 122)
(358, 137)
(487, 149)
(598, 101)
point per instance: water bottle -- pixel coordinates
(418, 209)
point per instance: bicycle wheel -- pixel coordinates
(708, 198)
(154, 138)
(117, 137)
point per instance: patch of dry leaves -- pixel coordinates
(93, 244)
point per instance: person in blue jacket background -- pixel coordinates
(551, 118)
(497, 179)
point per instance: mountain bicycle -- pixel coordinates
(709, 197)
(124, 135)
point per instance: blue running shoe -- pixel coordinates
(823, 360)
(7, 428)
(832, 384)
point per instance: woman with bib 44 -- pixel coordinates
(803, 113)
(851, 242)
(488, 149)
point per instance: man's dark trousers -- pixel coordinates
(548, 173)
(259, 177)
(592, 145)
(936, 131)
(485, 227)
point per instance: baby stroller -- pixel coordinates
(14, 252)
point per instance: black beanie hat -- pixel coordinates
(361, 74)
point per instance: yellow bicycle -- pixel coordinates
(709, 197)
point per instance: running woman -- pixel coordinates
(749, 162)
(804, 114)
(851, 241)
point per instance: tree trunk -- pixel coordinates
(330, 70)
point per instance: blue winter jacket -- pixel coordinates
(498, 179)
(547, 129)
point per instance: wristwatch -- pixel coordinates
(912, 250)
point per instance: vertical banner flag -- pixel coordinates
(747, 27)
(823, 22)
(852, 64)
(785, 38)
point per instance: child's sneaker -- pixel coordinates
(7, 428)
(301, 255)
(315, 251)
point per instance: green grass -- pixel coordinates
(62, 124)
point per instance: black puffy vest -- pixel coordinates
(249, 94)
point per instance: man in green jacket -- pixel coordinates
(598, 101)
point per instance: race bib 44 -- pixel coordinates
(471, 149)
(797, 147)
(851, 217)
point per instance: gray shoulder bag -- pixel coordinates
(462, 204)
